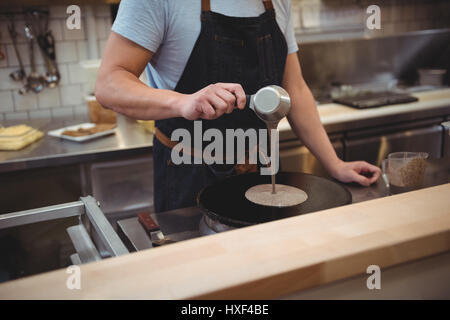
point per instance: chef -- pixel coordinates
(201, 58)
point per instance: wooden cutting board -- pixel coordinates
(267, 260)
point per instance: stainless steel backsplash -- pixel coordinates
(363, 61)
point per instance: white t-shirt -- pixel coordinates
(170, 28)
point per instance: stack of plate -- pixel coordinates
(18, 137)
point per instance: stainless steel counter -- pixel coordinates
(130, 139)
(437, 172)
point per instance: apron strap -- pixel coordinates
(268, 5)
(206, 5)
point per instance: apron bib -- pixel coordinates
(250, 51)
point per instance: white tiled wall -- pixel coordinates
(397, 16)
(67, 99)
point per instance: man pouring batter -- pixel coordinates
(202, 57)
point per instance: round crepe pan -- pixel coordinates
(225, 200)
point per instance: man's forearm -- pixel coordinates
(121, 91)
(305, 122)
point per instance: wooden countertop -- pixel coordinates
(268, 260)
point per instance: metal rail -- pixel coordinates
(58, 211)
(103, 228)
(86, 250)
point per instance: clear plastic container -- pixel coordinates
(404, 171)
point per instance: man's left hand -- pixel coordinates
(357, 171)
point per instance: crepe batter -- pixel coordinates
(275, 195)
(285, 196)
(271, 126)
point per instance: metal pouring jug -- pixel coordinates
(271, 103)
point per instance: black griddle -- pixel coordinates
(366, 100)
(225, 201)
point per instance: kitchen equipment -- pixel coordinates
(271, 104)
(17, 75)
(372, 99)
(432, 77)
(360, 60)
(123, 186)
(404, 171)
(2, 54)
(46, 42)
(225, 206)
(35, 82)
(92, 224)
(153, 230)
(374, 144)
(295, 156)
(58, 132)
(37, 21)
(133, 235)
(446, 139)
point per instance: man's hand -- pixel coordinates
(212, 101)
(356, 171)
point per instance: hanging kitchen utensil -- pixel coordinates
(35, 82)
(2, 54)
(17, 75)
(225, 202)
(46, 42)
(47, 45)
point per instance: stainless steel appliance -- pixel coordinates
(446, 139)
(375, 60)
(373, 99)
(92, 225)
(373, 145)
(224, 203)
(295, 157)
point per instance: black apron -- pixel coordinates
(249, 51)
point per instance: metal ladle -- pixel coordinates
(35, 82)
(52, 76)
(17, 75)
(46, 44)
(271, 104)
